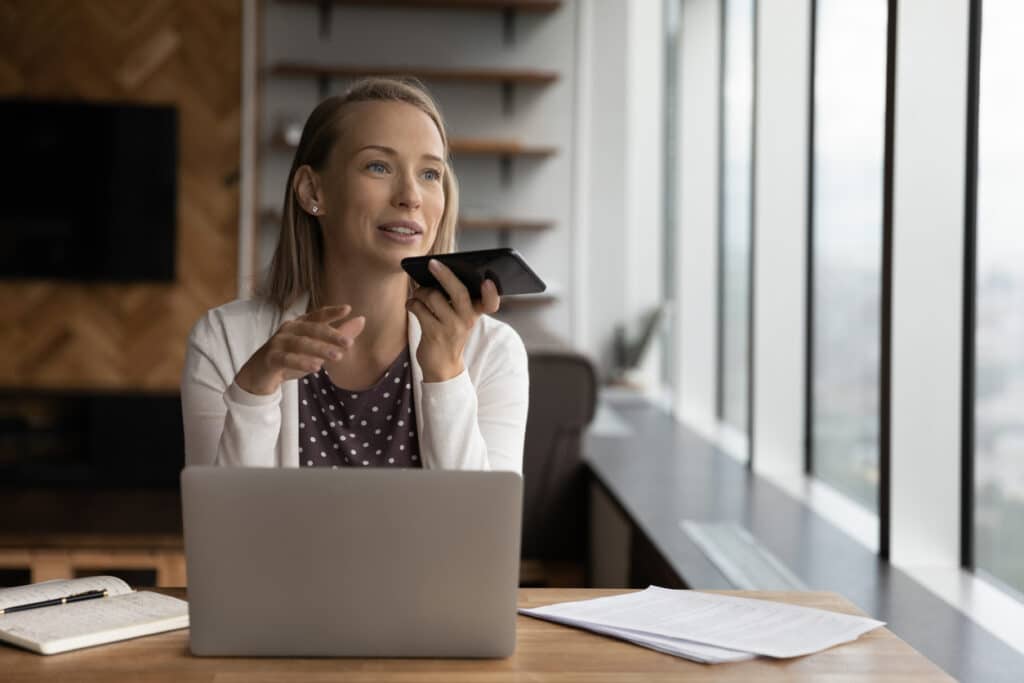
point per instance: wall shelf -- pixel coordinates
(512, 76)
(527, 301)
(504, 224)
(536, 6)
(498, 147)
(505, 150)
(508, 78)
(508, 9)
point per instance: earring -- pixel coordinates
(315, 209)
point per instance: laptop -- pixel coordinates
(351, 562)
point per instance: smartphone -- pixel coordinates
(504, 266)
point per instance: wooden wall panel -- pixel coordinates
(183, 52)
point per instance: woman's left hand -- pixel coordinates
(446, 324)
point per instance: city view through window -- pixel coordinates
(999, 313)
(849, 138)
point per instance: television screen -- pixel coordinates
(88, 191)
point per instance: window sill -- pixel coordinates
(994, 610)
(660, 472)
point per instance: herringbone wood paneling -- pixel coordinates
(181, 52)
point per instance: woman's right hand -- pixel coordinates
(299, 347)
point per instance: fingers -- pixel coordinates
(305, 344)
(309, 346)
(439, 305)
(292, 362)
(456, 291)
(490, 300)
(328, 314)
(320, 331)
(421, 310)
(352, 327)
(329, 324)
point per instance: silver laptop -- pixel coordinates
(351, 562)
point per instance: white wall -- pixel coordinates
(624, 233)
(605, 288)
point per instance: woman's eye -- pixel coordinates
(432, 174)
(376, 167)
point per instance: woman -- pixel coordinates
(339, 361)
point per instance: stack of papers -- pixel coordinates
(709, 628)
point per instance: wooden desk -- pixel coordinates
(544, 652)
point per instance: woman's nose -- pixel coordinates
(407, 192)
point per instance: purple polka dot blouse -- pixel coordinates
(375, 427)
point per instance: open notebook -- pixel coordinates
(123, 614)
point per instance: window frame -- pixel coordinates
(968, 356)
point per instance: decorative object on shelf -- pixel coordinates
(629, 353)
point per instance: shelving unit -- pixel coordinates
(509, 153)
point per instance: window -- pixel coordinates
(736, 211)
(999, 290)
(848, 152)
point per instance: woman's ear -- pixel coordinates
(306, 186)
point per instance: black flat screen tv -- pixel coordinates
(88, 191)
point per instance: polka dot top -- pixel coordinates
(375, 427)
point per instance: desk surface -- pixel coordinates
(544, 652)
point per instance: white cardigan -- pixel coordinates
(474, 421)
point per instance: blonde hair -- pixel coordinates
(297, 266)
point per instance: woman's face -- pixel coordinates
(382, 186)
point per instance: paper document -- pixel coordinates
(686, 618)
(698, 652)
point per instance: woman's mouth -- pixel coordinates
(405, 232)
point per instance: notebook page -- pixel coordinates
(759, 626)
(59, 588)
(96, 621)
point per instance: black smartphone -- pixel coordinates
(504, 266)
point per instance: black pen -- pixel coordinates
(87, 595)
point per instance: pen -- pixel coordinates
(87, 595)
